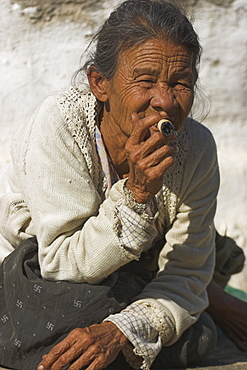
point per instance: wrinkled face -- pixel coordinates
(154, 77)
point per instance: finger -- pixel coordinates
(49, 359)
(65, 351)
(154, 142)
(96, 365)
(135, 118)
(142, 126)
(157, 171)
(100, 363)
(82, 351)
(157, 157)
(142, 146)
(81, 362)
(161, 152)
(92, 354)
(155, 147)
(71, 355)
(147, 160)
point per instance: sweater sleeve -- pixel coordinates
(187, 260)
(80, 237)
(174, 299)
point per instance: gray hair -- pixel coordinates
(134, 22)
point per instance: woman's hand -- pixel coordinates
(229, 314)
(95, 346)
(148, 157)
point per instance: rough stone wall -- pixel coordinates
(40, 45)
(44, 11)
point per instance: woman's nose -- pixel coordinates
(163, 99)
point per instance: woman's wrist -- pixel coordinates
(118, 334)
(139, 196)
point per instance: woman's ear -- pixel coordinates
(98, 84)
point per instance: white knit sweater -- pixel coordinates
(54, 189)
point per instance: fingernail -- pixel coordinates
(40, 367)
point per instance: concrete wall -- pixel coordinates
(40, 47)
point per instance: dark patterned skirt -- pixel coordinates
(36, 314)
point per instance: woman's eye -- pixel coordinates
(146, 82)
(181, 86)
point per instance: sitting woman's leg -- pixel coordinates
(36, 314)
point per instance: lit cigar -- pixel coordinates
(166, 127)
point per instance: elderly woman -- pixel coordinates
(120, 215)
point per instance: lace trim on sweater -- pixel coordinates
(167, 198)
(80, 112)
